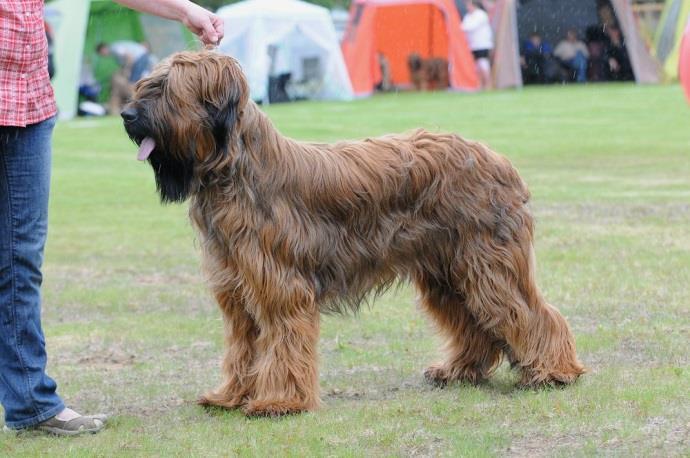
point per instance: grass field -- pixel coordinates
(132, 331)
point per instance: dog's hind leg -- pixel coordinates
(503, 298)
(471, 354)
(286, 365)
(240, 336)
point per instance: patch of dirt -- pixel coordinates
(635, 352)
(376, 391)
(614, 212)
(537, 446)
(111, 359)
(389, 383)
(425, 443)
(663, 435)
(90, 353)
(166, 278)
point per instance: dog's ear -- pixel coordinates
(231, 97)
(211, 90)
(224, 120)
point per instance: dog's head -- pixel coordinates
(184, 117)
(414, 62)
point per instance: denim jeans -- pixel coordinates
(578, 65)
(27, 394)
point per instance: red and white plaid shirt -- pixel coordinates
(26, 96)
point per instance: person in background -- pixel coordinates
(538, 66)
(27, 116)
(573, 54)
(480, 37)
(143, 64)
(616, 55)
(106, 66)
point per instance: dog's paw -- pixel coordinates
(213, 399)
(436, 375)
(274, 408)
(441, 375)
(537, 380)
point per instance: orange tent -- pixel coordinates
(398, 28)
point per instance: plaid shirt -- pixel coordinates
(26, 96)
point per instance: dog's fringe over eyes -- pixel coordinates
(291, 229)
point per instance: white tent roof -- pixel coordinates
(274, 9)
(294, 31)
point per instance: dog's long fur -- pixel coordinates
(291, 229)
(428, 74)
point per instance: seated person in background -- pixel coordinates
(143, 64)
(538, 65)
(113, 77)
(88, 93)
(596, 42)
(105, 65)
(607, 18)
(616, 54)
(574, 55)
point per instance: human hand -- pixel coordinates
(613, 64)
(206, 25)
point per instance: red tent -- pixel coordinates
(684, 62)
(398, 28)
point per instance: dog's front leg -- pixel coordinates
(285, 369)
(240, 336)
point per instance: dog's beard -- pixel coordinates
(173, 176)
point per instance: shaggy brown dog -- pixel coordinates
(428, 74)
(291, 229)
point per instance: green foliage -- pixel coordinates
(132, 330)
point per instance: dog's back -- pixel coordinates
(391, 206)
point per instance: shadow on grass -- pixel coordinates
(504, 382)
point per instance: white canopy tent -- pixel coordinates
(289, 38)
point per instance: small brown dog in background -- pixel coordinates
(428, 74)
(291, 229)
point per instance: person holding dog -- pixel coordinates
(27, 116)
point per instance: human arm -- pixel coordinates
(200, 21)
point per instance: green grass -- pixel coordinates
(132, 331)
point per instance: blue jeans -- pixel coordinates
(579, 65)
(27, 394)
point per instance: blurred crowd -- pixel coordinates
(601, 56)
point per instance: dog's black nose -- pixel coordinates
(129, 114)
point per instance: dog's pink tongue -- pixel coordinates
(145, 148)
